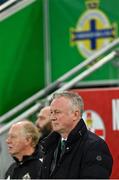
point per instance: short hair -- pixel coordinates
(30, 130)
(75, 99)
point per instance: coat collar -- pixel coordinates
(77, 132)
(52, 139)
(35, 155)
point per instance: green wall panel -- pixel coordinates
(21, 56)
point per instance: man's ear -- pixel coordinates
(76, 115)
(29, 140)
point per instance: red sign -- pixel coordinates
(102, 117)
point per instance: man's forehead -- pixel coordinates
(14, 130)
(41, 113)
(59, 101)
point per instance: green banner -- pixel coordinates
(21, 56)
(78, 29)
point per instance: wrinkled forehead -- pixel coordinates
(14, 130)
(60, 102)
(43, 112)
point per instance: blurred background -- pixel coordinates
(54, 45)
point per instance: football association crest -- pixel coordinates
(93, 30)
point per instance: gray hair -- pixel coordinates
(76, 100)
(30, 130)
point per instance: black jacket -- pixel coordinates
(86, 156)
(29, 168)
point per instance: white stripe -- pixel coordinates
(13, 9)
(6, 4)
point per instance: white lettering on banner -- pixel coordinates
(115, 114)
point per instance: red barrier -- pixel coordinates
(102, 117)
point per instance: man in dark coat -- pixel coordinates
(85, 155)
(22, 143)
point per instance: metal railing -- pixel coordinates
(66, 86)
(14, 6)
(53, 86)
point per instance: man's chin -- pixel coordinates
(56, 130)
(11, 153)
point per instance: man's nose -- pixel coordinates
(7, 140)
(53, 117)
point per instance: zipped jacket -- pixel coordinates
(28, 168)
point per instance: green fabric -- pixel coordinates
(63, 145)
(64, 16)
(21, 56)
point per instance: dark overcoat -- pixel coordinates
(86, 156)
(28, 168)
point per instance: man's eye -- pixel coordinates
(57, 112)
